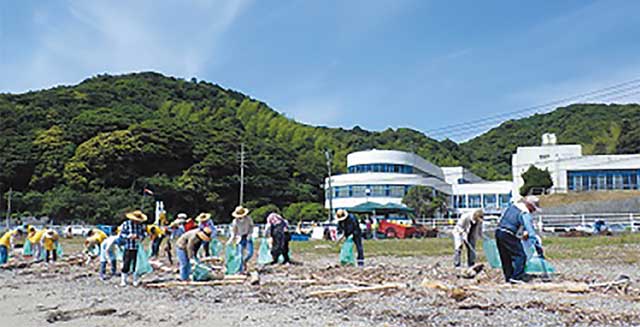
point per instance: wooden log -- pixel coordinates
(355, 290)
(192, 283)
(353, 282)
(568, 287)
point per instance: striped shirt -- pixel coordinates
(130, 228)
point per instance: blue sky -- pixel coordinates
(377, 64)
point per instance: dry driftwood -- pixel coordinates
(355, 290)
(192, 283)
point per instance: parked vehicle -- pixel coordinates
(79, 230)
(391, 229)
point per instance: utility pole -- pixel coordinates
(327, 154)
(9, 207)
(241, 173)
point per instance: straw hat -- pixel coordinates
(203, 217)
(50, 234)
(341, 214)
(137, 216)
(205, 234)
(240, 212)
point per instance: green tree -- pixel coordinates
(260, 214)
(305, 211)
(425, 201)
(535, 179)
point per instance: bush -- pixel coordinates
(305, 211)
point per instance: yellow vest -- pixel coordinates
(6, 238)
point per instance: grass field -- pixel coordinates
(623, 247)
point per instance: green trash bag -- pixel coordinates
(215, 248)
(233, 259)
(490, 249)
(346, 253)
(59, 250)
(201, 273)
(26, 249)
(264, 255)
(535, 264)
(142, 262)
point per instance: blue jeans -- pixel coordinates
(4, 254)
(185, 265)
(512, 255)
(246, 243)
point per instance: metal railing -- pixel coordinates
(554, 223)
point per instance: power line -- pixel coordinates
(590, 96)
(473, 128)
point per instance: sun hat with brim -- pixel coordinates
(240, 212)
(182, 215)
(203, 217)
(341, 214)
(534, 201)
(205, 234)
(137, 216)
(49, 234)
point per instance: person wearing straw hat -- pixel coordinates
(468, 229)
(132, 233)
(349, 226)
(49, 242)
(176, 229)
(204, 221)
(241, 230)
(517, 220)
(187, 247)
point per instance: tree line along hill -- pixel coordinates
(86, 152)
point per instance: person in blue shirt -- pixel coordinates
(349, 226)
(517, 220)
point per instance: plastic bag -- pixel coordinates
(233, 259)
(201, 273)
(142, 262)
(490, 249)
(535, 264)
(264, 254)
(26, 249)
(346, 253)
(59, 250)
(215, 247)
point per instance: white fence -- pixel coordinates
(555, 223)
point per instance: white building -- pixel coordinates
(571, 171)
(384, 176)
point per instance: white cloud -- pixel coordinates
(122, 36)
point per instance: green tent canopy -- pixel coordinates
(378, 208)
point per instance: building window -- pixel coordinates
(489, 201)
(475, 201)
(602, 179)
(505, 199)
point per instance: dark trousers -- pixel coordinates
(280, 247)
(167, 250)
(357, 240)
(155, 246)
(206, 248)
(512, 255)
(129, 260)
(53, 253)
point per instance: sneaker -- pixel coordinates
(516, 281)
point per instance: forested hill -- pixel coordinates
(600, 128)
(87, 151)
